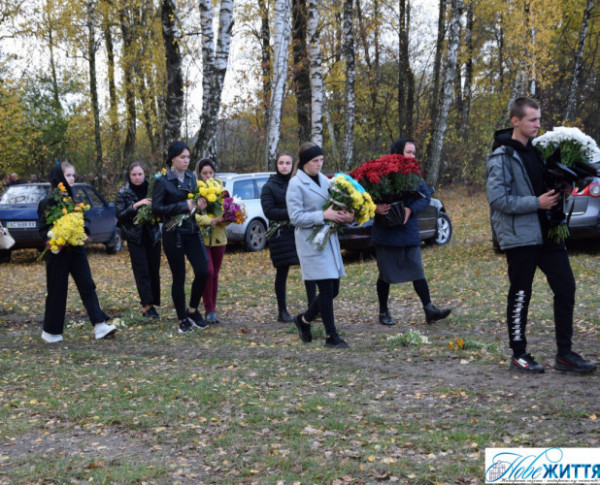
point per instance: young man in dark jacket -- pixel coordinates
(519, 202)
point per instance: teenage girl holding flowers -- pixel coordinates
(173, 200)
(143, 240)
(215, 240)
(282, 246)
(67, 256)
(306, 194)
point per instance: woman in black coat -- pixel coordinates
(70, 260)
(282, 245)
(143, 240)
(169, 200)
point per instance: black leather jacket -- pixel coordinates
(170, 197)
(126, 213)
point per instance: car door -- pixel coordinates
(100, 215)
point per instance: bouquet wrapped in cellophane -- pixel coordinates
(344, 193)
(567, 152)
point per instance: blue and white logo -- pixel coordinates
(542, 465)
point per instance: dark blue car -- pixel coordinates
(18, 213)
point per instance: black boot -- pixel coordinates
(432, 313)
(386, 319)
(284, 316)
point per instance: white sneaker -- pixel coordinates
(51, 338)
(102, 330)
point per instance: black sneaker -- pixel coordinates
(526, 363)
(211, 318)
(151, 313)
(386, 319)
(572, 362)
(197, 320)
(335, 342)
(185, 325)
(303, 329)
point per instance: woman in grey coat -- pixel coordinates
(306, 194)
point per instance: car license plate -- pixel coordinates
(21, 224)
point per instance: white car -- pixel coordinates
(247, 187)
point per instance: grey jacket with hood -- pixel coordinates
(513, 204)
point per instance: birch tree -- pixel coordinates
(439, 128)
(214, 67)
(281, 39)
(348, 53)
(174, 97)
(316, 73)
(571, 107)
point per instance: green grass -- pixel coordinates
(247, 402)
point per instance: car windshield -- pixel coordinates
(23, 194)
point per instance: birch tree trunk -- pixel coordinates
(174, 97)
(281, 39)
(348, 49)
(571, 107)
(439, 129)
(316, 73)
(301, 77)
(265, 41)
(214, 67)
(91, 52)
(468, 83)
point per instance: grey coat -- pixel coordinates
(305, 200)
(513, 204)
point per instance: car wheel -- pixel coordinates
(4, 256)
(255, 238)
(116, 243)
(444, 229)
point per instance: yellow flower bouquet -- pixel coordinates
(67, 222)
(212, 191)
(344, 193)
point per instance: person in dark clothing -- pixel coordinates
(70, 260)
(282, 244)
(143, 240)
(398, 249)
(519, 203)
(170, 199)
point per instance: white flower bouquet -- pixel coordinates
(567, 152)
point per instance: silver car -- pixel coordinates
(247, 187)
(586, 205)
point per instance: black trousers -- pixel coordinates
(145, 263)
(280, 285)
(553, 260)
(323, 304)
(71, 260)
(177, 246)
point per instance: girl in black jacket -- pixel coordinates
(143, 240)
(70, 260)
(170, 199)
(282, 244)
